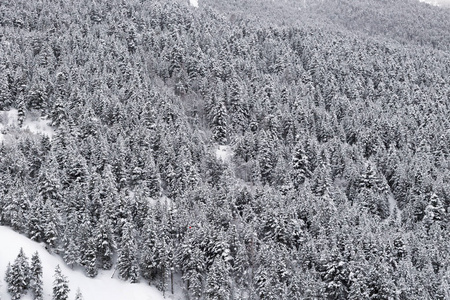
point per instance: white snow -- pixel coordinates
(224, 153)
(437, 2)
(101, 287)
(39, 127)
(393, 208)
(33, 123)
(193, 3)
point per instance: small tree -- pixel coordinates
(8, 274)
(36, 277)
(60, 285)
(78, 295)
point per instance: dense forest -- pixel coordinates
(334, 121)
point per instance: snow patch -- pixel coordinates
(101, 287)
(39, 127)
(437, 2)
(163, 200)
(395, 212)
(224, 153)
(33, 123)
(193, 3)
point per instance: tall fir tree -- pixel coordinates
(127, 262)
(60, 285)
(36, 284)
(18, 277)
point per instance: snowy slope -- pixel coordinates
(102, 287)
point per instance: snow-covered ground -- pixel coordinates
(102, 287)
(437, 2)
(393, 208)
(194, 3)
(9, 120)
(224, 153)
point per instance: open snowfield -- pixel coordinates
(103, 287)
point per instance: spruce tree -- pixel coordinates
(218, 283)
(60, 285)
(104, 241)
(8, 274)
(89, 258)
(127, 262)
(219, 123)
(300, 165)
(18, 276)
(79, 295)
(36, 277)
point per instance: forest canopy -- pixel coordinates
(336, 181)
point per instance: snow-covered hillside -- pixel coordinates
(102, 287)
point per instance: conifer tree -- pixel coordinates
(219, 123)
(89, 258)
(79, 295)
(51, 224)
(104, 242)
(300, 165)
(218, 285)
(35, 221)
(60, 285)
(127, 262)
(18, 276)
(36, 277)
(8, 274)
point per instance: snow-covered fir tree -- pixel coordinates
(18, 276)
(60, 285)
(36, 284)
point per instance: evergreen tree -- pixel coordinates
(71, 246)
(36, 277)
(35, 220)
(5, 93)
(89, 258)
(300, 164)
(60, 285)
(18, 276)
(434, 211)
(218, 285)
(78, 295)
(127, 262)
(8, 274)
(104, 242)
(219, 124)
(51, 224)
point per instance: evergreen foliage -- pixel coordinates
(60, 285)
(36, 277)
(18, 276)
(334, 115)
